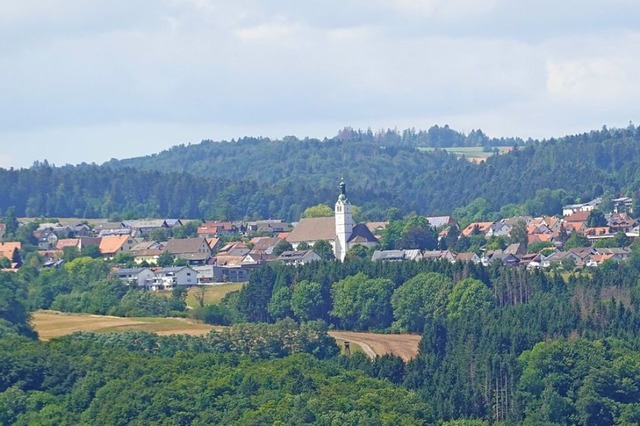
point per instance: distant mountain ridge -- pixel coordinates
(263, 178)
(270, 161)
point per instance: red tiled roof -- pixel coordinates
(577, 217)
(7, 248)
(482, 227)
(111, 244)
(67, 242)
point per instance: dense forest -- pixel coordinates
(498, 344)
(262, 178)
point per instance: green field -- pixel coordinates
(212, 293)
(472, 153)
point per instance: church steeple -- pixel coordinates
(344, 223)
(343, 189)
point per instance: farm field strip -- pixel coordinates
(51, 324)
(403, 345)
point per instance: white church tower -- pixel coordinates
(344, 223)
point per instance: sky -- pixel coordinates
(91, 80)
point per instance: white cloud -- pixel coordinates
(83, 68)
(278, 31)
(448, 9)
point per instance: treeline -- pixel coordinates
(260, 178)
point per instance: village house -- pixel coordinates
(204, 274)
(48, 235)
(621, 253)
(620, 222)
(377, 228)
(516, 249)
(267, 226)
(236, 248)
(140, 277)
(623, 205)
(550, 222)
(144, 227)
(507, 259)
(214, 243)
(439, 255)
(171, 277)
(387, 255)
(80, 230)
(234, 268)
(264, 245)
(104, 229)
(147, 252)
(468, 257)
(581, 207)
(79, 243)
(11, 251)
(476, 228)
(196, 251)
(68, 243)
(298, 257)
(216, 229)
(441, 222)
(112, 245)
(541, 238)
(503, 227)
(596, 260)
(396, 255)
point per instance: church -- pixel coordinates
(340, 230)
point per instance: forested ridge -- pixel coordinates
(262, 178)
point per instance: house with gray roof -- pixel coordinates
(296, 258)
(196, 251)
(140, 277)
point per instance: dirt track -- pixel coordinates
(403, 345)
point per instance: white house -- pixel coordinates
(170, 277)
(141, 277)
(583, 207)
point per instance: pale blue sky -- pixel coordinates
(84, 80)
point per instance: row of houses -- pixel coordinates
(511, 256)
(554, 229)
(167, 278)
(48, 234)
(620, 205)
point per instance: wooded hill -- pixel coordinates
(262, 178)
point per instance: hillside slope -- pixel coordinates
(264, 178)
